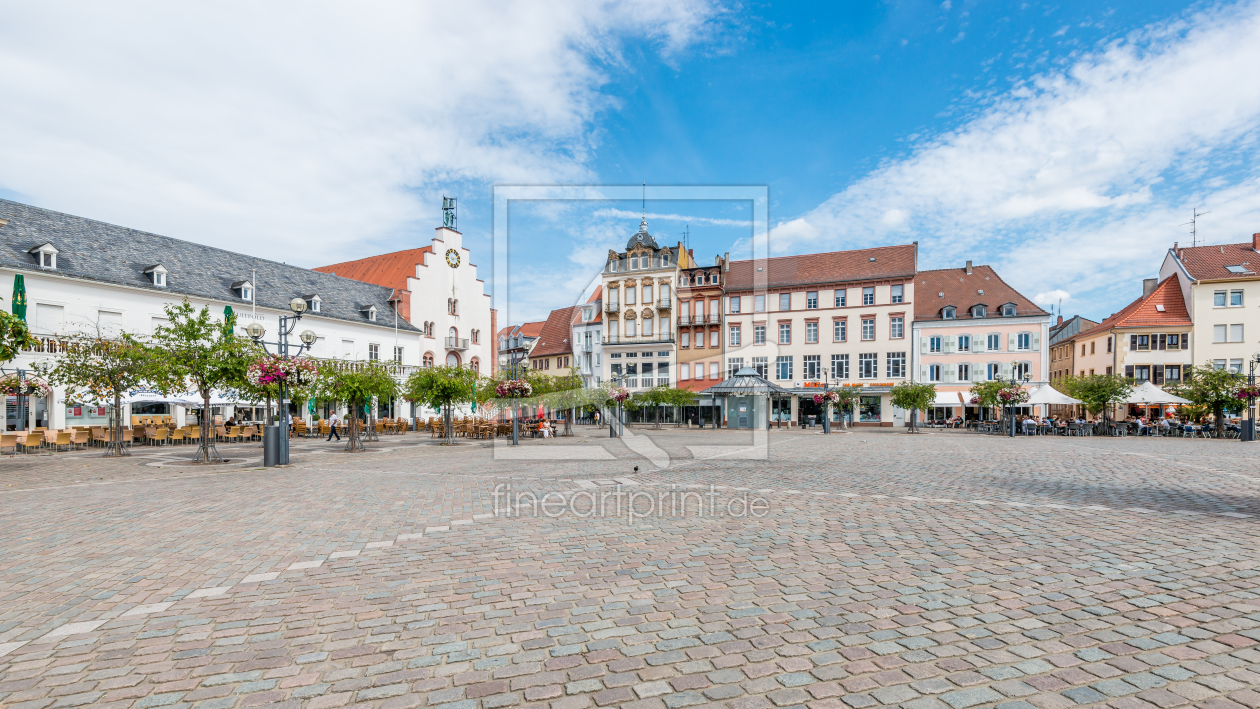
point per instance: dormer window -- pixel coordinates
(948, 313)
(979, 311)
(46, 254)
(665, 259)
(369, 311)
(1008, 310)
(312, 302)
(244, 289)
(157, 275)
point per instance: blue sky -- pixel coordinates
(1063, 142)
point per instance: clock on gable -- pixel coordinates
(452, 258)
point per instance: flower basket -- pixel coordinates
(829, 397)
(514, 388)
(620, 394)
(273, 370)
(12, 386)
(1248, 392)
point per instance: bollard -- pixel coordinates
(271, 446)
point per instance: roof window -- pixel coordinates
(1239, 269)
(46, 254)
(369, 311)
(312, 302)
(244, 289)
(157, 275)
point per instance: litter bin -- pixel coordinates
(271, 446)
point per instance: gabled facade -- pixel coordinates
(1150, 339)
(437, 288)
(553, 354)
(515, 342)
(1220, 288)
(1062, 344)
(970, 326)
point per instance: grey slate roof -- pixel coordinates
(96, 251)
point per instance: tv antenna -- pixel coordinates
(645, 200)
(1194, 226)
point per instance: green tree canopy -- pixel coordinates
(103, 370)
(195, 352)
(1097, 391)
(1216, 389)
(14, 336)
(914, 397)
(442, 388)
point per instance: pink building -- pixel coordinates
(970, 326)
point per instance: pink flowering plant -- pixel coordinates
(13, 386)
(829, 397)
(273, 369)
(514, 388)
(620, 394)
(1248, 392)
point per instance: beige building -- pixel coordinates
(1221, 291)
(638, 342)
(841, 319)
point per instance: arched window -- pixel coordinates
(475, 365)
(453, 334)
(428, 359)
(452, 359)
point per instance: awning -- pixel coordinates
(1148, 393)
(949, 398)
(1049, 395)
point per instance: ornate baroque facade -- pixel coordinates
(639, 344)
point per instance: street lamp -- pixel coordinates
(256, 332)
(1249, 426)
(1011, 408)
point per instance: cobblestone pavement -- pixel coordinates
(943, 570)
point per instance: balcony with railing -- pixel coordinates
(715, 319)
(456, 343)
(587, 346)
(664, 303)
(616, 339)
(610, 307)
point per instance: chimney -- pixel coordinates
(968, 268)
(1060, 320)
(1255, 242)
(1148, 285)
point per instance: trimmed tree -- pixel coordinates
(1097, 391)
(914, 397)
(194, 351)
(356, 384)
(846, 398)
(442, 388)
(1216, 389)
(102, 370)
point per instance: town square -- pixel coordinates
(637, 354)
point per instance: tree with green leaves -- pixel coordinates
(356, 384)
(1098, 392)
(442, 388)
(846, 399)
(195, 352)
(564, 393)
(102, 370)
(1216, 389)
(14, 336)
(914, 397)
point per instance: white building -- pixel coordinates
(1220, 286)
(588, 345)
(84, 276)
(638, 341)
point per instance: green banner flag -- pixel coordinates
(19, 297)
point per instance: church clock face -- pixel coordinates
(452, 258)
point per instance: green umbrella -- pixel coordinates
(227, 314)
(474, 402)
(19, 297)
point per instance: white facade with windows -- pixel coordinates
(638, 339)
(84, 277)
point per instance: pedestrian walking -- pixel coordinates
(332, 427)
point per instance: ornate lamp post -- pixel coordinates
(287, 324)
(1249, 425)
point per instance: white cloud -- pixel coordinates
(1077, 180)
(306, 132)
(1053, 297)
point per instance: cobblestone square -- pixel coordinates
(935, 571)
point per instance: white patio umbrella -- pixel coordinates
(1049, 395)
(148, 396)
(1148, 393)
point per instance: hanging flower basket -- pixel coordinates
(620, 394)
(1248, 392)
(12, 386)
(293, 371)
(830, 397)
(514, 388)
(1012, 396)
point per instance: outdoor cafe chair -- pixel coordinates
(193, 433)
(8, 440)
(99, 435)
(63, 438)
(32, 440)
(80, 438)
(178, 434)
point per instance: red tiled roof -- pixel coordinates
(1143, 313)
(532, 329)
(557, 333)
(389, 270)
(1209, 262)
(834, 267)
(962, 290)
(597, 295)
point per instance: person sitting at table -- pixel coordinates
(230, 422)
(544, 428)
(1163, 423)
